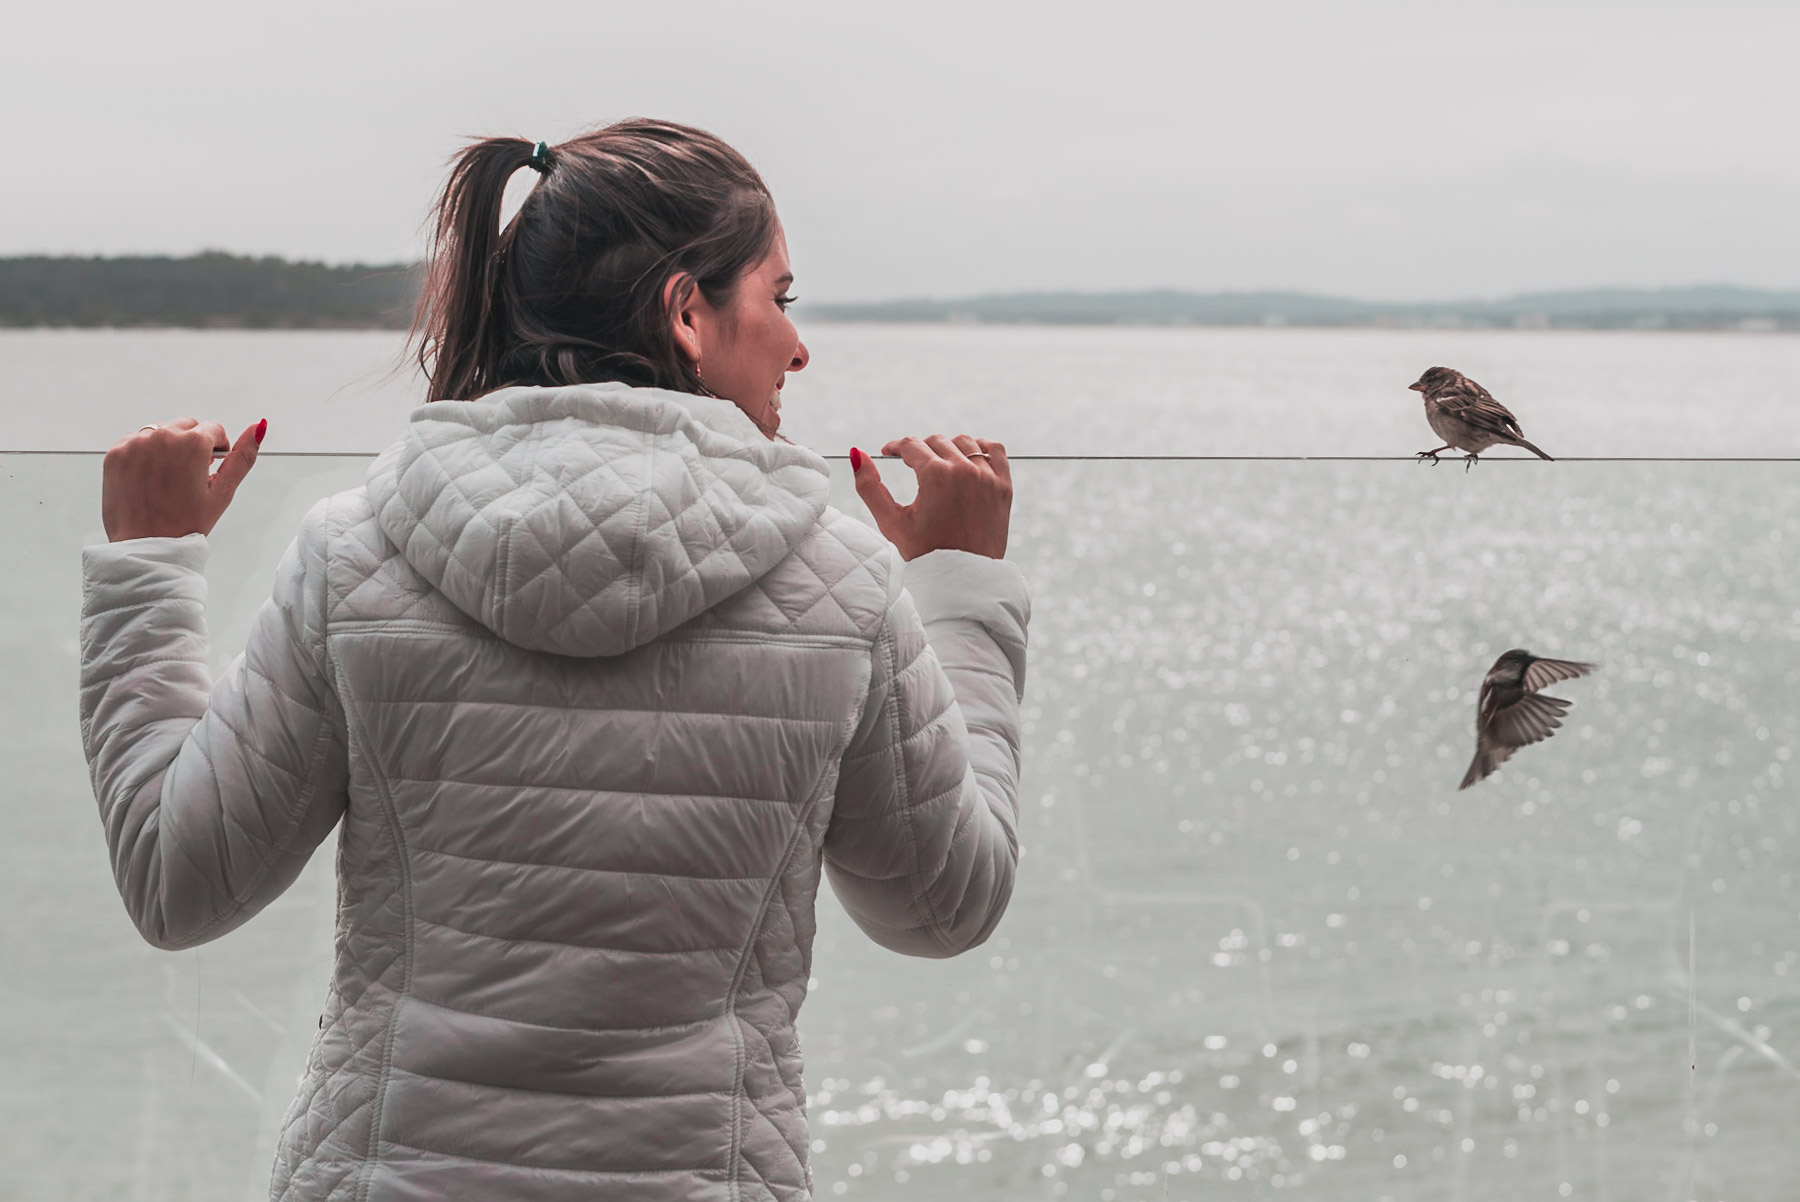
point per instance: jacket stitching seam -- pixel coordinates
(278, 848)
(848, 731)
(542, 1168)
(526, 1022)
(921, 895)
(660, 710)
(276, 688)
(588, 790)
(673, 876)
(372, 1154)
(1005, 678)
(934, 727)
(580, 947)
(503, 568)
(635, 604)
(563, 1093)
(88, 615)
(476, 633)
(153, 661)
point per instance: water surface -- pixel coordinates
(1260, 945)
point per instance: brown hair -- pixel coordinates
(571, 291)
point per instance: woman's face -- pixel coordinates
(745, 349)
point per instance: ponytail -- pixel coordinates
(461, 293)
(573, 289)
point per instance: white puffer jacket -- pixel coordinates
(596, 682)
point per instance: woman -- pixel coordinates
(596, 683)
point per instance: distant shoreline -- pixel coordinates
(217, 291)
(205, 291)
(1705, 308)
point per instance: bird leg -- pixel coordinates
(1469, 461)
(1433, 455)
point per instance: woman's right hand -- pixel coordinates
(964, 501)
(160, 482)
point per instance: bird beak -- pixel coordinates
(1416, 387)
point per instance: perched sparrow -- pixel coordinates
(1466, 416)
(1512, 713)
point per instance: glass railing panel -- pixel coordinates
(1260, 941)
(321, 390)
(135, 1073)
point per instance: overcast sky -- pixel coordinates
(1378, 148)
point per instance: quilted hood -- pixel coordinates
(589, 520)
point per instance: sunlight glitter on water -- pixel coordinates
(1109, 1120)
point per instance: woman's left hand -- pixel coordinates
(964, 501)
(160, 483)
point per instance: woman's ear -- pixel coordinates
(681, 301)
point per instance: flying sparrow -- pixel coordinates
(1466, 416)
(1512, 713)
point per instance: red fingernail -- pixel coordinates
(856, 459)
(262, 428)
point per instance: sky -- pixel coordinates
(1388, 149)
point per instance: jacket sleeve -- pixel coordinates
(923, 845)
(213, 798)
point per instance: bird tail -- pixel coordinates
(1487, 759)
(1533, 449)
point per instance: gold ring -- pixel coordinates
(979, 455)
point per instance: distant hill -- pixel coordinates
(208, 290)
(1695, 308)
(221, 291)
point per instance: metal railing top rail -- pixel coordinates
(1035, 458)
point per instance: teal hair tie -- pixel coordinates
(540, 158)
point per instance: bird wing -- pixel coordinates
(1543, 672)
(1492, 698)
(1472, 404)
(1530, 719)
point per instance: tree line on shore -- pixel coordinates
(222, 291)
(206, 291)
